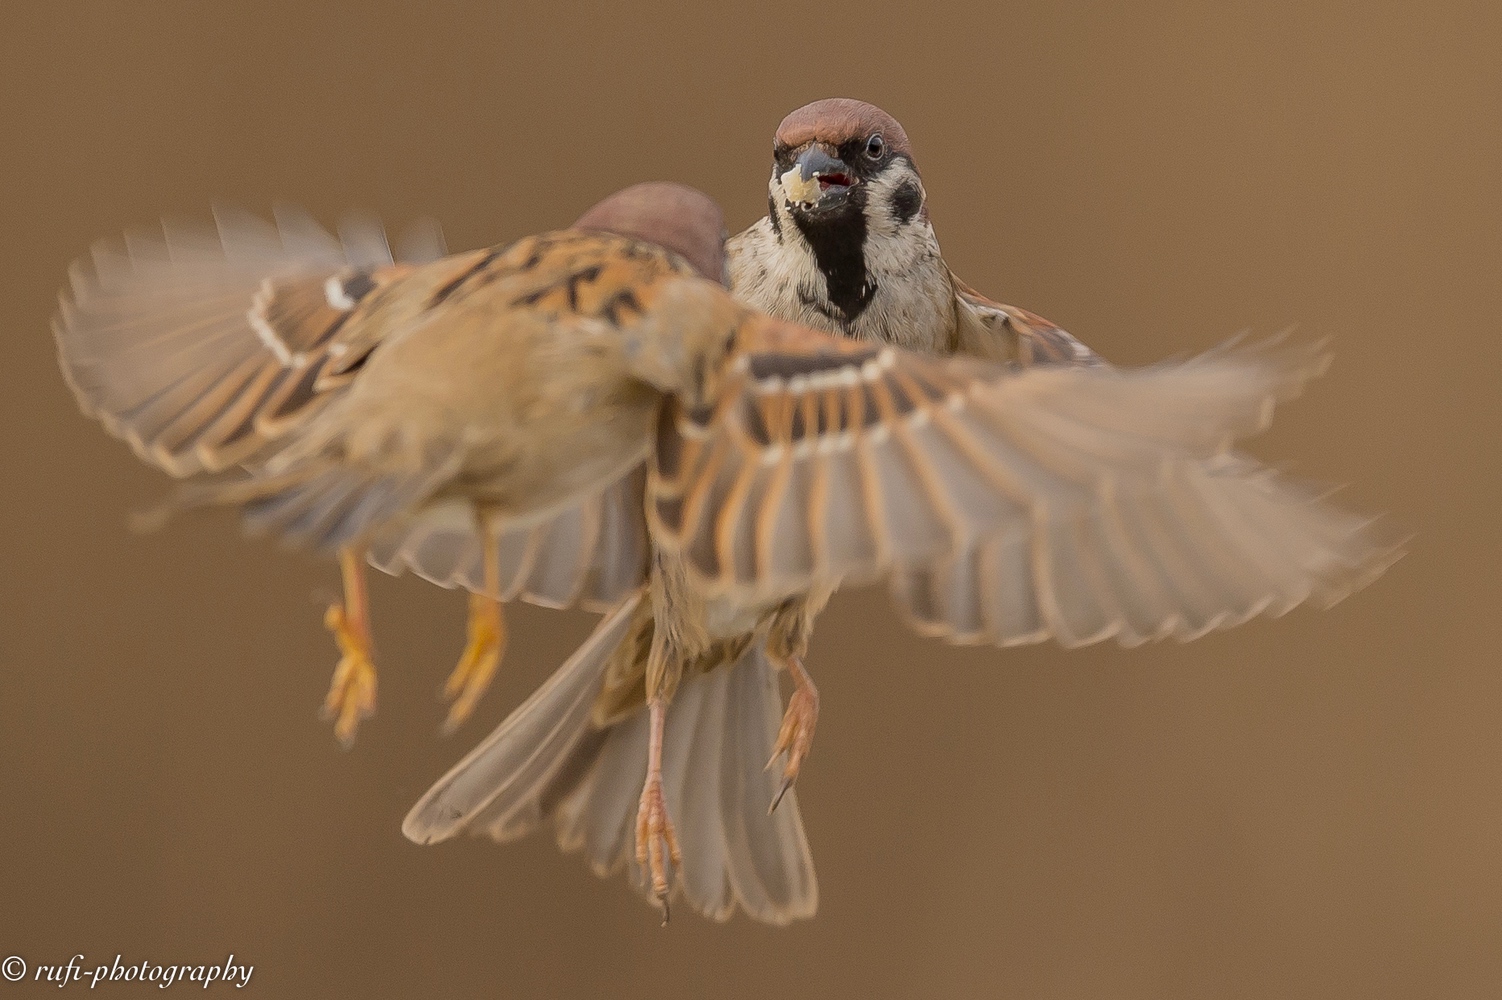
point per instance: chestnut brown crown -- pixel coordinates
(674, 216)
(838, 120)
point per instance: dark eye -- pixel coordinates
(875, 147)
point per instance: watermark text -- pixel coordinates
(79, 971)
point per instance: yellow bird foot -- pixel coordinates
(482, 655)
(352, 693)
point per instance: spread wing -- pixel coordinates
(202, 346)
(205, 347)
(1007, 505)
(988, 329)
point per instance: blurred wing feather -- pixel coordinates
(201, 346)
(591, 553)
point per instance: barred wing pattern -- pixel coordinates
(1008, 505)
(201, 346)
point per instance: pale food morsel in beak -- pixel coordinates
(799, 189)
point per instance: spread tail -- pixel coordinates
(549, 761)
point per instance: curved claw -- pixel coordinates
(796, 736)
(787, 783)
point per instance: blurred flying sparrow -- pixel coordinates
(618, 430)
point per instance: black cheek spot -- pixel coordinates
(906, 201)
(772, 218)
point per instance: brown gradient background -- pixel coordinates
(1306, 807)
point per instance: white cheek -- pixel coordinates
(893, 248)
(891, 244)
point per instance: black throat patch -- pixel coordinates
(839, 245)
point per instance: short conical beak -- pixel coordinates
(818, 181)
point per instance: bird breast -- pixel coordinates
(911, 304)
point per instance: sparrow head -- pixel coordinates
(839, 158)
(674, 216)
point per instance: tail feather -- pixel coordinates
(548, 762)
(499, 786)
